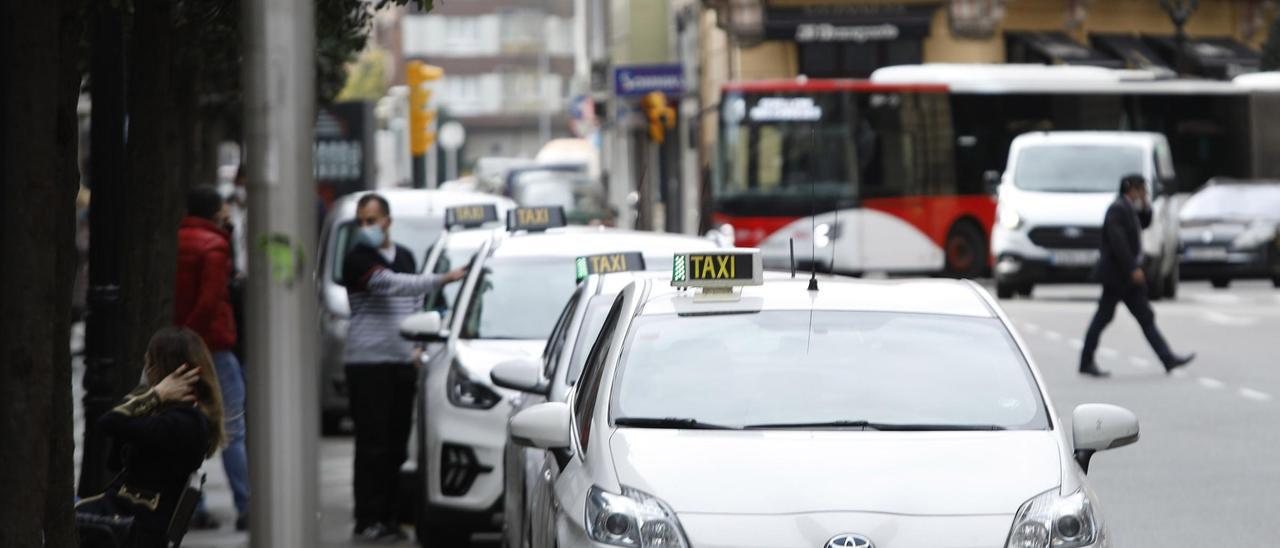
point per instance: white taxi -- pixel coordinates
(507, 305)
(828, 413)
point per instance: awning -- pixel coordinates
(1213, 57)
(1130, 48)
(1054, 48)
(848, 23)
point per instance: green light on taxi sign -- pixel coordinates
(717, 269)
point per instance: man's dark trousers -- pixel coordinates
(1134, 297)
(381, 398)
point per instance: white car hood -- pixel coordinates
(776, 472)
(1058, 208)
(479, 356)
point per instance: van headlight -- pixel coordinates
(467, 393)
(1050, 520)
(634, 518)
(825, 233)
(1008, 217)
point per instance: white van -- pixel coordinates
(1053, 196)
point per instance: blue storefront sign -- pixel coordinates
(636, 80)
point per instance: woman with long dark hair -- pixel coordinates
(162, 433)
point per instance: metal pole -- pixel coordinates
(106, 177)
(279, 118)
(544, 70)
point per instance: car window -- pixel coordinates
(444, 297)
(1075, 168)
(555, 343)
(414, 233)
(588, 331)
(787, 367)
(1241, 203)
(519, 298)
(588, 391)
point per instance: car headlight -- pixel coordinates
(1256, 235)
(467, 393)
(1008, 217)
(634, 518)
(825, 233)
(1050, 520)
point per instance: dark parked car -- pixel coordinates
(1230, 231)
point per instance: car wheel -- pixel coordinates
(966, 251)
(1025, 291)
(1004, 291)
(1155, 283)
(1275, 282)
(1220, 283)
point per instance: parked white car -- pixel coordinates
(899, 414)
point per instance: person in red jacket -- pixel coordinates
(202, 303)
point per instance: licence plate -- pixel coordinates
(1082, 257)
(1206, 253)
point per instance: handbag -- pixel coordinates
(185, 508)
(102, 523)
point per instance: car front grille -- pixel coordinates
(1066, 237)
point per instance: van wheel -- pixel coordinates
(966, 251)
(1220, 283)
(1004, 291)
(1171, 284)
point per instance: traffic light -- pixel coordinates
(421, 112)
(661, 117)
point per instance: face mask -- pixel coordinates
(372, 235)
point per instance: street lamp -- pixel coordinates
(1179, 12)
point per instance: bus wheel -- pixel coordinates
(966, 251)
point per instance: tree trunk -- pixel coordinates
(39, 82)
(154, 198)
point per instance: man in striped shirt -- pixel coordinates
(383, 288)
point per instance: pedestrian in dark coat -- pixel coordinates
(1123, 280)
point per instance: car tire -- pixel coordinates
(1220, 283)
(1004, 291)
(965, 251)
(1024, 291)
(1275, 282)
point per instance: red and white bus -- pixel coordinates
(873, 164)
(891, 174)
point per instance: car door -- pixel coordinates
(548, 499)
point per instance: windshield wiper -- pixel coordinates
(668, 422)
(882, 426)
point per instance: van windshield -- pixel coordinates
(1076, 168)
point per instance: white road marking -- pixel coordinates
(1076, 343)
(1180, 373)
(1030, 327)
(1211, 383)
(1228, 319)
(1053, 335)
(1139, 362)
(1254, 394)
(1109, 353)
(1215, 298)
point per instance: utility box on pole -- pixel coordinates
(279, 119)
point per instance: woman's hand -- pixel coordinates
(179, 386)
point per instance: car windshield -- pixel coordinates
(414, 233)
(519, 298)
(779, 368)
(1234, 202)
(1075, 168)
(592, 321)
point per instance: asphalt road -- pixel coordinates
(1206, 471)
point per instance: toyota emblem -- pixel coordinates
(849, 540)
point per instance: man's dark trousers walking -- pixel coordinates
(1120, 271)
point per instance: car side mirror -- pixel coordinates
(522, 374)
(545, 426)
(991, 180)
(1099, 427)
(424, 327)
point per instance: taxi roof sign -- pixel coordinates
(607, 263)
(535, 219)
(470, 216)
(717, 269)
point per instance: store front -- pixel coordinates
(851, 41)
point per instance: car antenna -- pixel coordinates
(813, 221)
(792, 243)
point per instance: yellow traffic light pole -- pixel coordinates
(422, 116)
